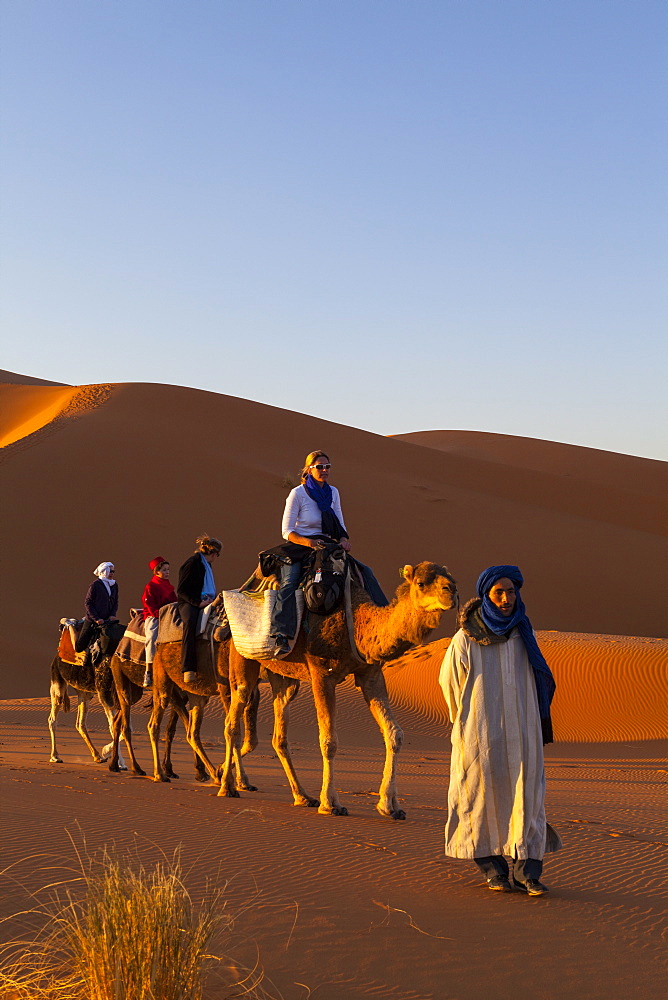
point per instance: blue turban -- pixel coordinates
(500, 624)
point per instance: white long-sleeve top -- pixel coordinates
(302, 514)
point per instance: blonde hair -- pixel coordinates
(207, 545)
(310, 460)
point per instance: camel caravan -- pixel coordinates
(309, 612)
(355, 638)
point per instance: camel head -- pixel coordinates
(431, 590)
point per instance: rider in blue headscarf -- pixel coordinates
(501, 624)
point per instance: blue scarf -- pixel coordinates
(209, 586)
(499, 624)
(322, 495)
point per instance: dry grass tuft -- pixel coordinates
(135, 935)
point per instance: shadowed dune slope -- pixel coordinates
(16, 379)
(619, 489)
(610, 688)
(127, 472)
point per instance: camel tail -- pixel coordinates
(59, 695)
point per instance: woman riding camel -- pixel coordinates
(101, 606)
(157, 592)
(196, 588)
(312, 518)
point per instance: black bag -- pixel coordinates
(324, 581)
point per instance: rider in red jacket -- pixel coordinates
(157, 592)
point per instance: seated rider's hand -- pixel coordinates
(345, 544)
(203, 604)
(99, 621)
(317, 543)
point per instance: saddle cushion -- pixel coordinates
(249, 616)
(131, 646)
(213, 622)
(170, 628)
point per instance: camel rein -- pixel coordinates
(350, 622)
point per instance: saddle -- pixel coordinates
(132, 645)
(104, 643)
(66, 651)
(249, 612)
(213, 624)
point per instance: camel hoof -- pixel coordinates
(114, 767)
(100, 760)
(398, 814)
(161, 777)
(202, 776)
(139, 772)
(55, 760)
(333, 810)
(229, 793)
(308, 802)
(248, 788)
(172, 774)
(247, 748)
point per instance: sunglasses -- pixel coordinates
(321, 467)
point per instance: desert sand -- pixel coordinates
(357, 906)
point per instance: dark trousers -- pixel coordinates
(190, 618)
(372, 586)
(284, 615)
(89, 631)
(523, 868)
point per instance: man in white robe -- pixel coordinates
(498, 690)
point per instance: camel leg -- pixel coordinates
(242, 782)
(59, 699)
(284, 689)
(121, 726)
(243, 681)
(324, 696)
(160, 701)
(194, 724)
(375, 694)
(80, 724)
(250, 723)
(108, 750)
(169, 739)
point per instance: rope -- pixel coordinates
(350, 622)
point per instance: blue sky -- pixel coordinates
(396, 215)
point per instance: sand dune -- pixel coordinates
(347, 908)
(124, 472)
(609, 688)
(25, 409)
(618, 489)
(14, 378)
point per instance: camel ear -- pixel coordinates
(407, 572)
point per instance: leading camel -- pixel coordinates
(324, 656)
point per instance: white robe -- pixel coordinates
(496, 798)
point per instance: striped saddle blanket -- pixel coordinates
(249, 615)
(131, 646)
